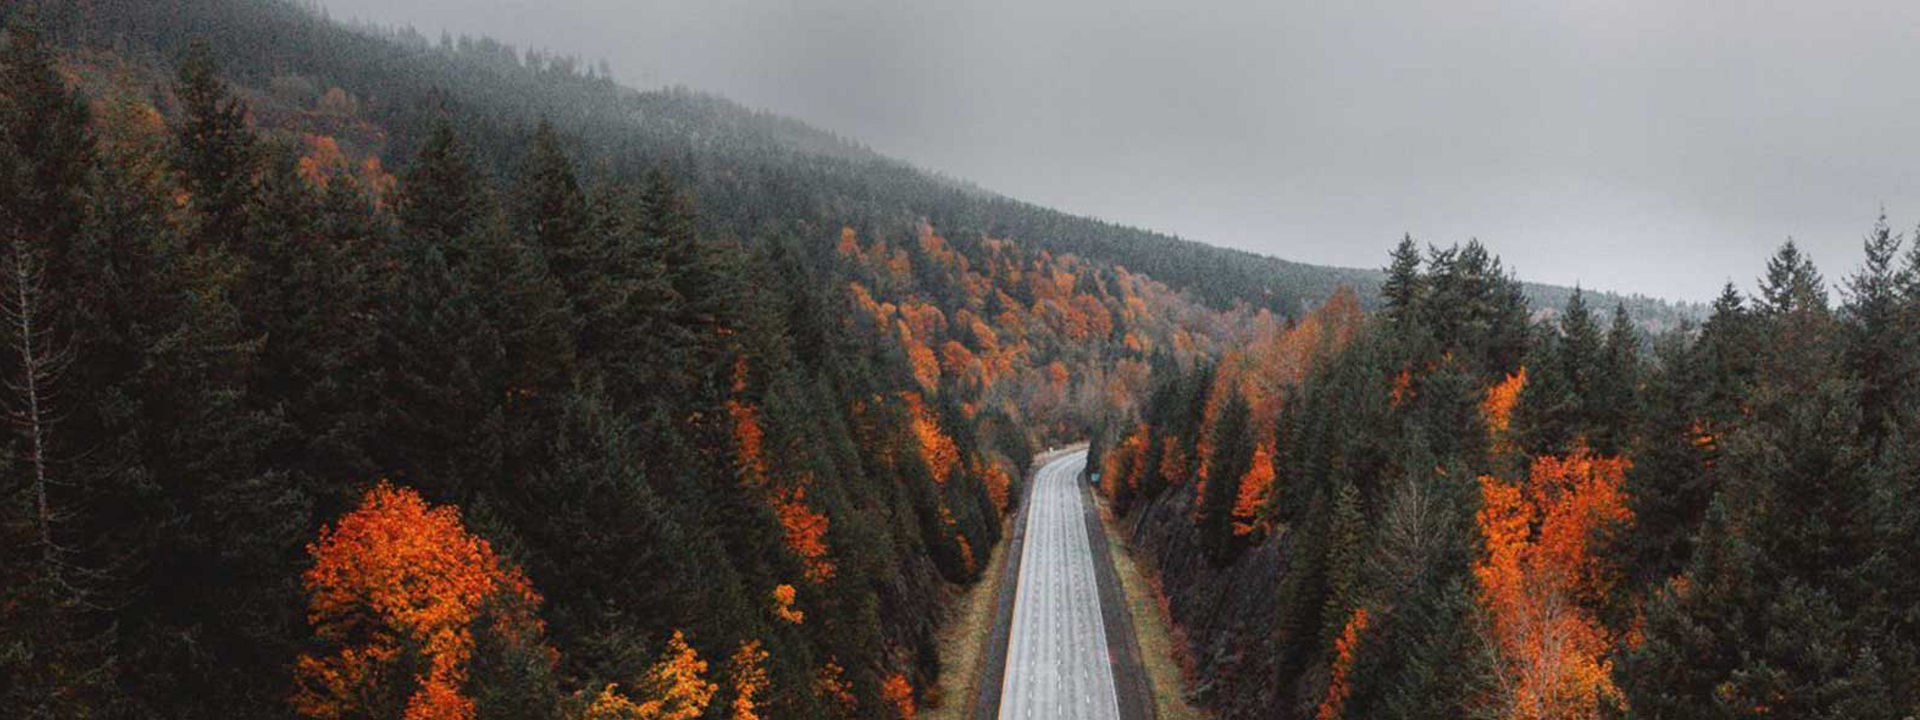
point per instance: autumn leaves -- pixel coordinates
(400, 595)
(396, 591)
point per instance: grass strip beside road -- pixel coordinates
(962, 639)
(1160, 647)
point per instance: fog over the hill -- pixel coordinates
(1655, 146)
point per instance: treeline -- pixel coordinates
(1450, 511)
(761, 168)
(296, 435)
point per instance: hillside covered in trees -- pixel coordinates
(357, 377)
(1446, 510)
(352, 373)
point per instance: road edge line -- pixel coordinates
(991, 666)
(1132, 688)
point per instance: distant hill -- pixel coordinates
(757, 165)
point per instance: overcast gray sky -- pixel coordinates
(1654, 146)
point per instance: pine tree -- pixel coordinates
(1343, 559)
(1671, 482)
(1402, 287)
(55, 668)
(1233, 451)
(1544, 419)
(217, 150)
(1614, 398)
(1879, 350)
(1791, 283)
(551, 211)
(1580, 343)
(441, 196)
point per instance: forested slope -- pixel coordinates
(353, 373)
(358, 378)
(1448, 510)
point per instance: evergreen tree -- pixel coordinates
(1343, 560)
(1580, 346)
(1614, 398)
(54, 668)
(1545, 418)
(1402, 287)
(1791, 283)
(1671, 482)
(217, 151)
(1232, 455)
(441, 195)
(551, 211)
(1880, 345)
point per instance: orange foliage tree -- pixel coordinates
(1540, 582)
(936, 448)
(783, 597)
(1254, 487)
(804, 529)
(831, 687)
(1122, 465)
(1498, 409)
(1339, 684)
(898, 693)
(999, 485)
(748, 672)
(675, 688)
(397, 577)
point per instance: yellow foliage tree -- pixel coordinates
(676, 689)
(748, 672)
(783, 609)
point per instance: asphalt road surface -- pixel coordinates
(1058, 667)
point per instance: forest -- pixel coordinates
(1446, 509)
(355, 374)
(435, 406)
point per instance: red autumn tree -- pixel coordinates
(399, 584)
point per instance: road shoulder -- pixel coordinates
(1131, 685)
(1162, 650)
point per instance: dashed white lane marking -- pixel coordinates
(1058, 667)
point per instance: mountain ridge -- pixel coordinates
(675, 121)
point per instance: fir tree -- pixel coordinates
(441, 195)
(1402, 287)
(217, 150)
(1879, 349)
(1614, 398)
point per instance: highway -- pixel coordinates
(1058, 667)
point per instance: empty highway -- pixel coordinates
(1058, 667)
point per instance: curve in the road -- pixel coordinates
(1057, 663)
